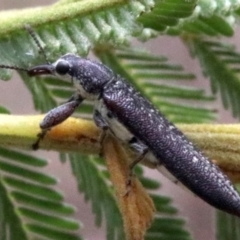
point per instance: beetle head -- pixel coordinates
(88, 76)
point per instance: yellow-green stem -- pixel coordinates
(221, 142)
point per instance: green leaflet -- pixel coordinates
(94, 185)
(220, 62)
(155, 78)
(82, 25)
(228, 226)
(212, 25)
(167, 13)
(27, 200)
(195, 17)
(3, 110)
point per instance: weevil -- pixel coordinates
(132, 119)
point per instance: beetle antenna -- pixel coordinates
(35, 39)
(13, 67)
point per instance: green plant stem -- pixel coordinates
(16, 19)
(221, 142)
(72, 135)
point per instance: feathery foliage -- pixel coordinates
(29, 205)
(167, 13)
(227, 227)
(93, 180)
(154, 77)
(220, 62)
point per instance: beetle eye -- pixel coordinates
(62, 67)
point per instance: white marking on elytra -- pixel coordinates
(195, 159)
(118, 129)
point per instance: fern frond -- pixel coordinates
(228, 227)
(167, 224)
(167, 13)
(43, 97)
(155, 78)
(220, 62)
(45, 91)
(83, 24)
(92, 181)
(30, 207)
(196, 17)
(213, 25)
(4, 110)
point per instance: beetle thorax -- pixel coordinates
(82, 91)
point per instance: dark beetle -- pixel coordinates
(134, 120)
(123, 111)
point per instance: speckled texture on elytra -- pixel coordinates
(171, 147)
(122, 106)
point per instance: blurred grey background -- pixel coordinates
(200, 216)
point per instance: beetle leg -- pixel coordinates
(57, 116)
(101, 123)
(140, 148)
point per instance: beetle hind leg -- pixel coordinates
(143, 150)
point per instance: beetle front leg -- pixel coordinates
(57, 116)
